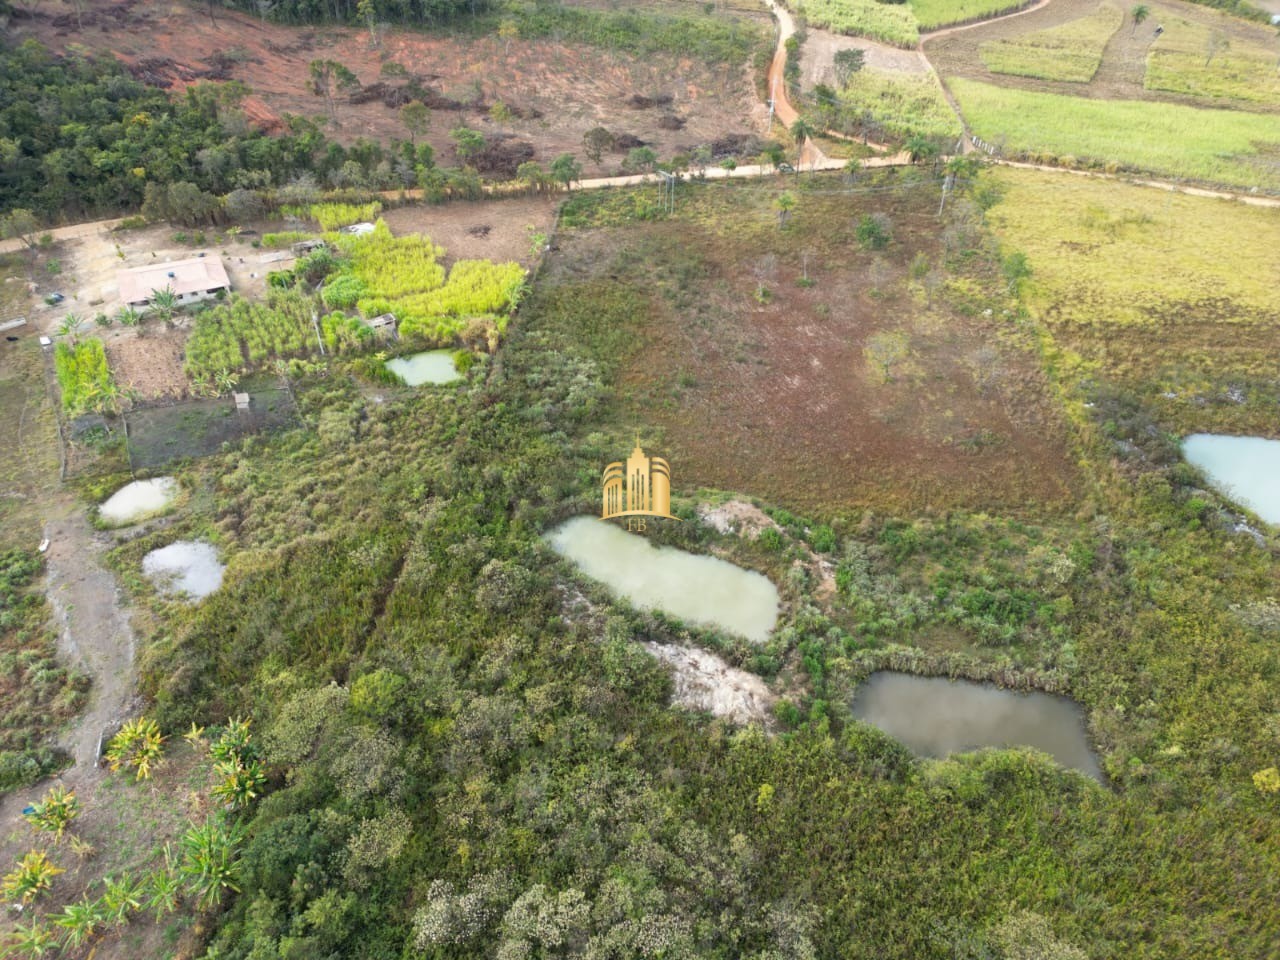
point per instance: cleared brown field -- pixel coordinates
(778, 399)
(557, 90)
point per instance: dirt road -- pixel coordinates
(75, 231)
(93, 633)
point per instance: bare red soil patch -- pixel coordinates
(778, 399)
(556, 91)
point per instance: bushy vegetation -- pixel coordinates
(331, 216)
(401, 275)
(1071, 51)
(639, 31)
(901, 105)
(1187, 59)
(464, 759)
(1220, 146)
(38, 694)
(890, 23)
(84, 377)
(79, 136)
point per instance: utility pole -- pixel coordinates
(315, 322)
(669, 186)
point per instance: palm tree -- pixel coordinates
(165, 302)
(802, 130)
(921, 148)
(70, 326)
(1139, 12)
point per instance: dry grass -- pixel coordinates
(1247, 70)
(1070, 52)
(758, 380)
(1173, 295)
(1217, 146)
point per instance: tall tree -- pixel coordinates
(328, 77)
(565, 169)
(802, 131)
(416, 119)
(1139, 12)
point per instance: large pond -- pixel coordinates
(936, 717)
(701, 590)
(434, 366)
(137, 500)
(1247, 469)
(187, 567)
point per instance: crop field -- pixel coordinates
(931, 14)
(1184, 60)
(902, 103)
(889, 23)
(1173, 296)
(897, 24)
(28, 441)
(764, 381)
(1222, 146)
(1070, 52)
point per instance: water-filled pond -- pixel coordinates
(935, 717)
(434, 366)
(189, 567)
(139, 499)
(702, 590)
(1247, 469)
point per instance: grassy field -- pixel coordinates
(897, 24)
(1219, 146)
(1070, 52)
(1174, 296)
(772, 328)
(931, 14)
(889, 23)
(1180, 62)
(902, 103)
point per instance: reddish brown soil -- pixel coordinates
(778, 400)
(573, 87)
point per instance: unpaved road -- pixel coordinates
(93, 634)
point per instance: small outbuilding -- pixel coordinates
(191, 280)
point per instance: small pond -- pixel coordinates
(702, 590)
(1246, 469)
(188, 567)
(434, 366)
(935, 717)
(139, 499)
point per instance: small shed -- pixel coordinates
(384, 326)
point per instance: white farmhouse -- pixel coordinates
(193, 279)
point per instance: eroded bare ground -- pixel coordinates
(706, 684)
(817, 56)
(958, 53)
(558, 91)
(92, 622)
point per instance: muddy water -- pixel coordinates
(139, 499)
(188, 567)
(1247, 469)
(935, 717)
(434, 366)
(701, 590)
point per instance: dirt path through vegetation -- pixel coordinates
(72, 232)
(810, 155)
(93, 634)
